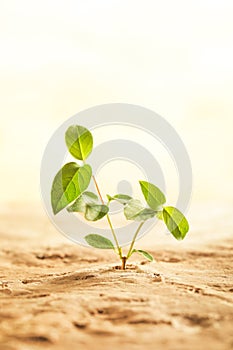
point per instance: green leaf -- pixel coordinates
(176, 222)
(88, 203)
(79, 141)
(98, 241)
(147, 255)
(95, 212)
(153, 196)
(134, 210)
(68, 184)
(121, 198)
(82, 201)
(159, 215)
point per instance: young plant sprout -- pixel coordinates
(69, 190)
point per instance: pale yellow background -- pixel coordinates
(60, 57)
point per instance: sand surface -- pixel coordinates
(57, 295)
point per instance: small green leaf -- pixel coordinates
(88, 203)
(134, 210)
(78, 206)
(95, 212)
(147, 255)
(79, 141)
(159, 215)
(153, 196)
(82, 201)
(89, 197)
(68, 184)
(98, 241)
(176, 222)
(121, 198)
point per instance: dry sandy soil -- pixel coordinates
(58, 295)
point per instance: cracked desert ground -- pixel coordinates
(57, 295)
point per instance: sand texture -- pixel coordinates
(58, 295)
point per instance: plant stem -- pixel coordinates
(123, 259)
(134, 239)
(108, 218)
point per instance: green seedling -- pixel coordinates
(70, 192)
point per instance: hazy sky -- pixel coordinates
(59, 57)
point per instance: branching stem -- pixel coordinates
(108, 218)
(134, 239)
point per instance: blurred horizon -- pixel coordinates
(61, 57)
